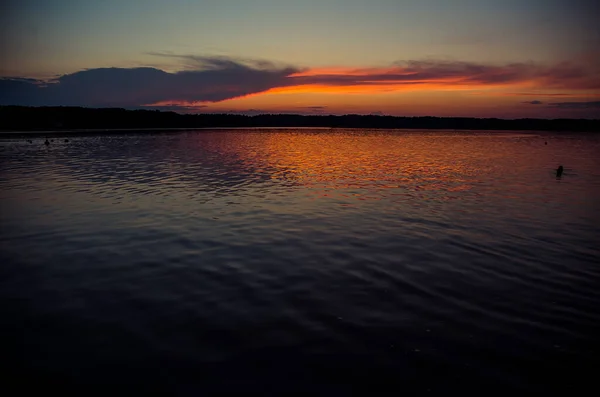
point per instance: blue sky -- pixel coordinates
(70, 35)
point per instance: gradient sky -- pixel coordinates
(527, 58)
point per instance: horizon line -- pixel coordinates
(243, 114)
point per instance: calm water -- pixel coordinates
(301, 260)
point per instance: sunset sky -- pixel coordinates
(482, 58)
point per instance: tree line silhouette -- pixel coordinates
(22, 118)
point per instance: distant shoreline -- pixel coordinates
(120, 131)
(158, 129)
(83, 131)
(69, 120)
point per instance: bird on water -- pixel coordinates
(47, 143)
(559, 171)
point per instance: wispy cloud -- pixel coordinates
(312, 109)
(576, 105)
(221, 62)
(315, 107)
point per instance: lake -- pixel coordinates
(314, 261)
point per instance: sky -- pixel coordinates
(479, 58)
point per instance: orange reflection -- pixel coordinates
(351, 166)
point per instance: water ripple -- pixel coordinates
(425, 260)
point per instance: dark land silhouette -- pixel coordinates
(22, 118)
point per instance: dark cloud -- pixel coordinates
(21, 79)
(533, 102)
(20, 92)
(217, 79)
(576, 105)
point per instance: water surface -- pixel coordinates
(275, 261)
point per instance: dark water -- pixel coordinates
(321, 262)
